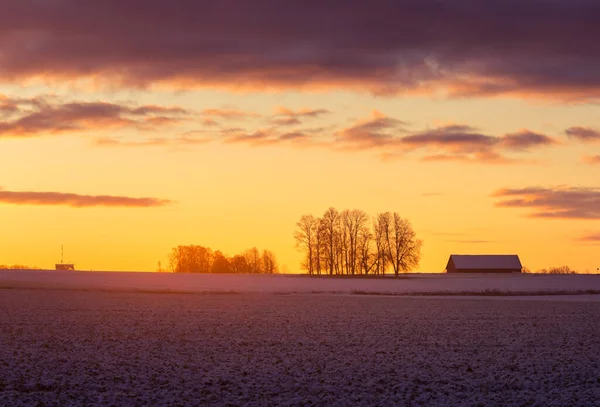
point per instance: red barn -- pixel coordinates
(484, 263)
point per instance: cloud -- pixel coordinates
(453, 138)
(592, 238)
(391, 139)
(557, 202)
(263, 137)
(464, 143)
(41, 116)
(229, 114)
(286, 117)
(526, 139)
(76, 200)
(494, 47)
(378, 131)
(471, 241)
(585, 134)
(183, 140)
(591, 159)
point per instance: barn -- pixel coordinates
(484, 263)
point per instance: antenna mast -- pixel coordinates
(62, 254)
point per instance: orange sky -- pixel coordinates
(137, 145)
(232, 196)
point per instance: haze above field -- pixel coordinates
(221, 123)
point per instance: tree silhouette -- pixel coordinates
(345, 243)
(200, 259)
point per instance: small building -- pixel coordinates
(64, 267)
(484, 263)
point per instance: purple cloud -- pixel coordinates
(557, 203)
(585, 134)
(76, 200)
(525, 140)
(39, 116)
(468, 47)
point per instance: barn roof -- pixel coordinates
(486, 261)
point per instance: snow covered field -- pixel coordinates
(286, 284)
(73, 348)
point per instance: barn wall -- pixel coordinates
(453, 270)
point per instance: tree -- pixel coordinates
(199, 259)
(254, 260)
(380, 226)
(353, 222)
(221, 264)
(239, 265)
(367, 256)
(306, 232)
(402, 247)
(190, 259)
(269, 262)
(346, 243)
(330, 227)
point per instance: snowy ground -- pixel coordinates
(417, 284)
(73, 348)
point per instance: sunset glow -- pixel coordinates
(221, 125)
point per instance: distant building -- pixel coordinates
(484, 263)
(62, 266)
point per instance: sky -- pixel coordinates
(127, 129)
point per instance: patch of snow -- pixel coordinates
(73, 348)
(429, 284)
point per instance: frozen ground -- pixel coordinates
(418, 284)
(73, 348)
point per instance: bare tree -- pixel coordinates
(403, 249)
(381, 226)
(330, 227)
(318, 253)
(367, 256)
(199, 259)
(239, 265)
(254, 260)
(353, 222)
(221, 264)
(269, 262)
(306, 240)
(190, 259)
(345, 243)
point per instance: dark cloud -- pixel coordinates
(525, 139)
(388, 137)
(468, 47)
(76, 200)
(466, 144)
(454, 138)
(585, 134)
(558, 202)
(39, 116)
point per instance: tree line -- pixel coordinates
(18, 267)
(200, 259)
(351, 242)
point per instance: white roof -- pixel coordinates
(486, 261)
